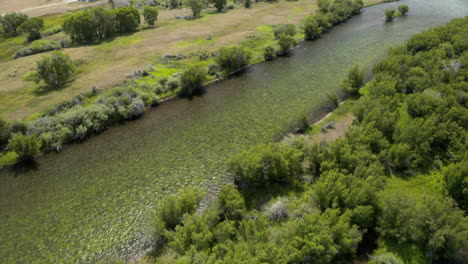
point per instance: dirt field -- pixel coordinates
(41, 7)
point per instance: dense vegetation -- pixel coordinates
(299, 201)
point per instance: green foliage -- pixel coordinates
(32, 28)
(24, 146)
(323, 5)
(12, 21)
(55, 70)
(231, 203)
(455, 178)
(127, 19)
(355, 80)
(286, 30)
(286, 43)
(264, 164)
(219, 4)
(247, 3)
(192, 80)
(389, 14)
(80, 27)
(432, 223)
(403, 9)
(231, 59)
(269, 53)
(312, 30)
(196, 6)
(150, 13)
(37, 46)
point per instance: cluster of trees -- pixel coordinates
(14, 23)
(98, 23)
(411, 119)
(331, 13)
(391, 13)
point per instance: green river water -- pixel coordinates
(95, 199)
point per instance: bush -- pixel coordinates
(312, 30)
(264, 164)
(37, 46)
(354, 81)
(389, 14)
(24, 146)
(286, 30)
(11, 22)
(80, 27)
(403, 9)
(218, 4)
(231, 203)
(247, 3)
(286, 43)
(269, 53)
(196, 6)
(32, 28)
(127, 19)
(150, 14)
(232, 59)
(52, 31)
(55, 70)
(192, 80)
(455, 178)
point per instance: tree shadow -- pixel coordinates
(24, 167)
(45, 89)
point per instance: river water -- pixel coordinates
(96, 198)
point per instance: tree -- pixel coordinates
(11, 22)
(247, 3)
(55, 70)
(231, 59)
(312, 30)
(389, 14)
(286, 29)
(24, 146)
(104, 22)
(456, 183)
(150, 13)
(286, 43)
(269, 53)
(80, 27)
(231, 203)
(196, 6)
(323, 5)
(127, 19)
(355, 80)
(403, 9)
(32, 28)
(192, 80)
(219, 4)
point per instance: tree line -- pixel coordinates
(324, 200)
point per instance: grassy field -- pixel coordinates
(106, 64)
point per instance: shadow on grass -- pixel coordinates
(45, 89)
(24, 167)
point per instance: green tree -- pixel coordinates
(323, 5)
(269, 53)
(103, 21)
(312, 30)
(247, 3)
(150, 13)
(192, 80)
(456, 183)
(354, 81)
(403, 9)
(127, 19)
(231, 203)
(286, 29)
(231, 59)
(11, 22)
(80, 27)
(196, 6)
(55, 70)
(389, 14)
(286, 43)
(32, 28)
(219, 4)
(24, 146)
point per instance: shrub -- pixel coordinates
(389, 14)
(231, 203)
(403, 9)
(55, 70)
(287, 30)
(232, 58)
(127, 19)
(312, 30)
(278, 210)
(196, 6)
(269, 53)
(266, 163)
(218, 4)
(37, 46)
(247, 3)
(11, 22)
(52, 31)
(150, 14)
(354, 81)
(32, 28)
(286, 43)
(80, 27)
(192, 80)
(455, 178)
(24, 146)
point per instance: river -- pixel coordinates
(96, 198)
